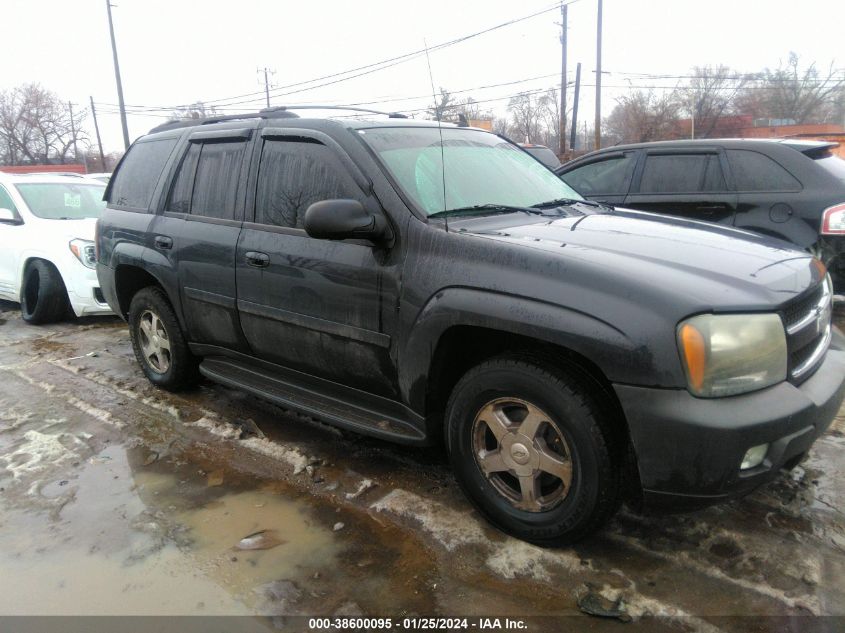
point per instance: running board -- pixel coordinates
(358, 416)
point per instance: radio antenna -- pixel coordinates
(437, 113)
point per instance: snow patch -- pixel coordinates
(365, 485)
(38, 452)
(449, 527)
(515, 558)
(290, 456)
(215, 426)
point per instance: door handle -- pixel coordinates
(163, 242)
(259, 260)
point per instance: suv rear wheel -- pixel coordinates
(530, 449)
(43, 293)
(158, 343)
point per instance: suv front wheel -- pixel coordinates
(158, 343)
(530, 448)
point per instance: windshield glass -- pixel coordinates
(832, 164)
(63, 201)
(480, 169)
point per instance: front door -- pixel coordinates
(322, 307)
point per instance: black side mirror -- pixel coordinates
(344, 220)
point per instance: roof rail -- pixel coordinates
(277, 112)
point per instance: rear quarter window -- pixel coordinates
(753, 171)
(133, 185)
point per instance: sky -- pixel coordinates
(175, 52)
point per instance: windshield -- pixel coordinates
(480, 169)
(833, 164)
(63, 201)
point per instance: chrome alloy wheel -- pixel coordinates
(522, 453)
(154, 342)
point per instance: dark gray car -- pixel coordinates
(790, 189)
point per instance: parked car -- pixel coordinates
(47, 260)
(101, 176)
(543, 154)
(790, 189)
(567, 354)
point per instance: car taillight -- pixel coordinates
(833, 220)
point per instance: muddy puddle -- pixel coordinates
(117, 532)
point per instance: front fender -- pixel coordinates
(620, 357)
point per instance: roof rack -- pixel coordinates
(278, 112)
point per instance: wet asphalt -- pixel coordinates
(117, 498)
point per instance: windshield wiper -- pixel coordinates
(483, 209)
(566, 202)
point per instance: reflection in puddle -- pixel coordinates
(106, 540)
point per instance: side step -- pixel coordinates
(362, 414)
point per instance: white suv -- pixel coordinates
(47, 258)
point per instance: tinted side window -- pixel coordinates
(293, 175)
(714, 179)
(136, 180)
(611, 176)
(753, 171)
(216, 182)
(673, 173)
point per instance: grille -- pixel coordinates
(98, 296)
(808, 330)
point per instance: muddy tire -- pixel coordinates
(530, 448)
(43, 294)
(158, 342)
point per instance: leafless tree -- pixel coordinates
(643, 116)
(36, 127)
(526, 115)
(549, 104)
(710, 95)
(443, 107)
(788, 92)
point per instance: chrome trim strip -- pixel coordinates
(810, 363)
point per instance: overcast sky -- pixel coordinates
(176, 51)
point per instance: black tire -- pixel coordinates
(585, 441)
(43, 294)
(171, 365)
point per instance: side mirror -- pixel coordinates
(8, 216)
(344, 220)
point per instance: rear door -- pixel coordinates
(323, 307)
(603, 179)
(687, 183)
(207, 200)
(766, 193)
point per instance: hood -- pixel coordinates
(702, 259)
(82, 229)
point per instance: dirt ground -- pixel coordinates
(117, 498)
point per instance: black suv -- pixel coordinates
(424, 284)
(789, 189)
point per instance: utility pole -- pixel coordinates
(563, 12)
(598, 79)
(97, 130)
(267, 73)
(575, 106)
(119, 83)
(73, 133)
(692, 116)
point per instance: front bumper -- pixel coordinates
(84, 292)
(689, 449)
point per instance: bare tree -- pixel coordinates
(788, 92)
(711, 94)
(549, 104)
(36, 127)
(526, 113)
(443, 107)
(644, 116)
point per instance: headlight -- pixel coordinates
(84, 251)
(727, 354)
